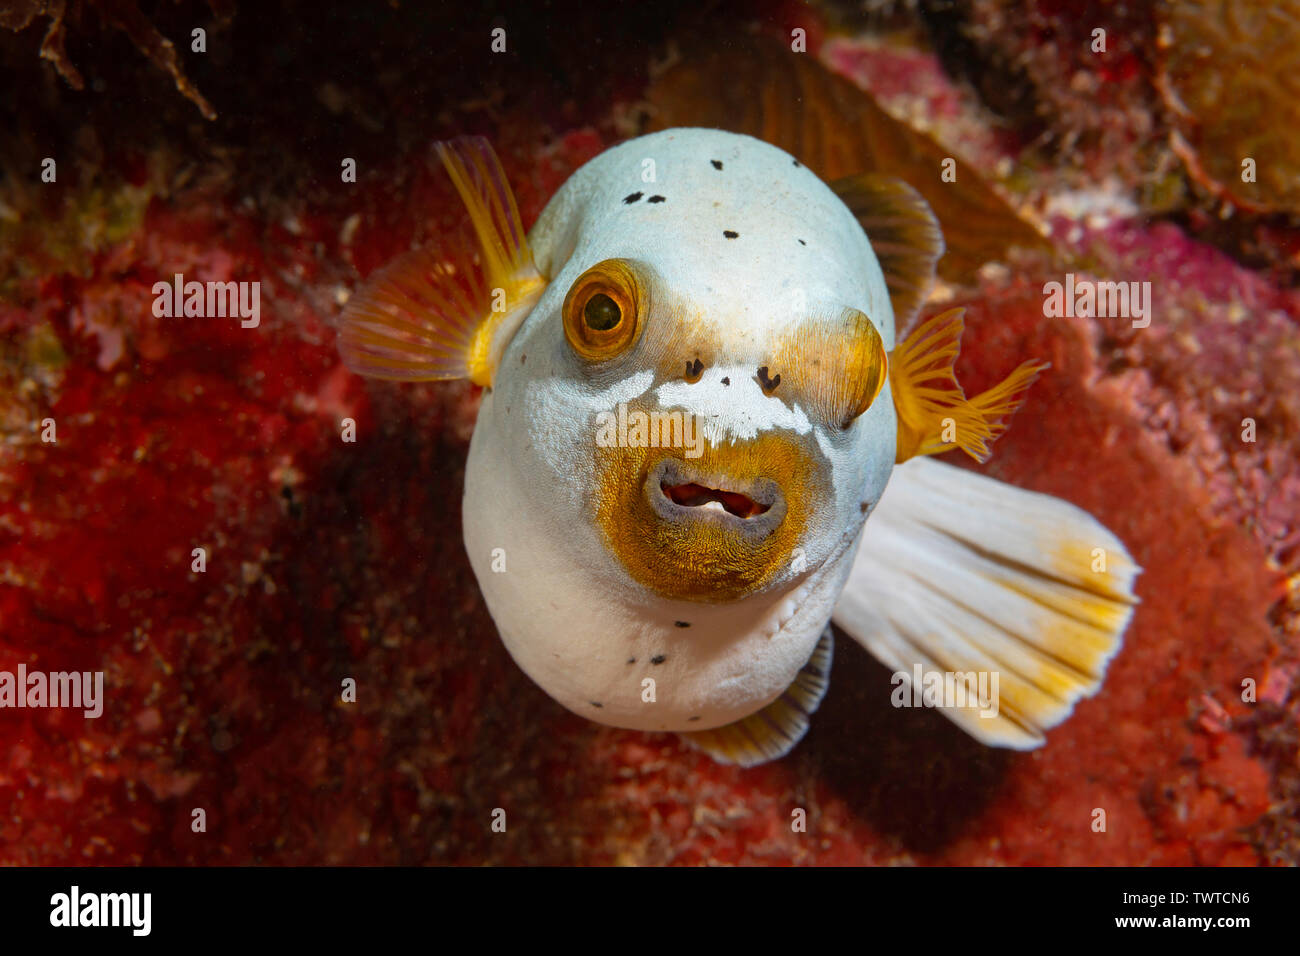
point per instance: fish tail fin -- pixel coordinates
(772, 732)
(959, 574)
(449, 313)
(933, 410)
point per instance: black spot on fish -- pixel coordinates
(694, 370)
(802, 243)
(717, 163)
(523, 358)
(631, 660)
(796, 162)
(864, 507)
(628, 200)
(682, 623)
(658, 659)
(696, 717)
(769, 384)
(655, 199)
(727, 380)
(730, 235)
(594, 704)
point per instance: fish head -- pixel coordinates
(702, 390)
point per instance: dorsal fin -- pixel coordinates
(904, 235)
(445, 314)
(934, 414)
(757, 86)
(772, 732)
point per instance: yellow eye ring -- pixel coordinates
(604, 310)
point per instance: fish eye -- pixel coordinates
(603, 310)
(602, 313)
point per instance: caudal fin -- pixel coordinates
(962, 574)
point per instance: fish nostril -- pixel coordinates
(768, 384)
(693, 371)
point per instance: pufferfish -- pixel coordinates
(645, 582)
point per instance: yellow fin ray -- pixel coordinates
(447, 314)
(930, 401)
(481, 184)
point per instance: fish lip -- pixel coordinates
(762, 491)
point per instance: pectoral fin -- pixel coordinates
(772, 732)
(934, 414)
(449, 313)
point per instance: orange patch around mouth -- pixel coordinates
(714, 556)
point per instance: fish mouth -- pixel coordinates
(682, 493)
(713, 528)
(688, 494)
